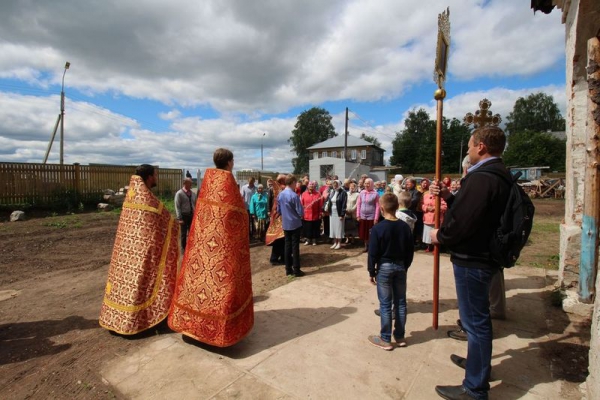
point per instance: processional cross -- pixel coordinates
(483, 116)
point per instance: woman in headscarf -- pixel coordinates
(351, 223)
(337, 212)
(367, 211)
(312, 203)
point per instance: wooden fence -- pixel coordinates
(44, 184)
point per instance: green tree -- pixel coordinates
(536, 113)
(370, 139)
(529, 144)
(313, 126)
(414, 148)
(535, 149)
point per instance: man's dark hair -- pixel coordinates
(222, 157)
(144, 171)
(289, 179)
(493, 138)
(389, 203)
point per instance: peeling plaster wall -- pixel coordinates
(570, 230)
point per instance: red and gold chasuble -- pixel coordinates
(143, 266)
(213, 298)
(275, 230)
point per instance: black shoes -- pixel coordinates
(299, 273)
(458, 334)
(452, 392)
(459, 361)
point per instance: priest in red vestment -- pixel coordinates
(213, 298)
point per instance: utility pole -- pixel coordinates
(460, 157)
(346, 138)
(60, 119)
(62, 115)
(261, 152)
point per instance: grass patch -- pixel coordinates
(68, 221)
(542, 250)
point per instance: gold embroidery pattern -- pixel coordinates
(213, 298)
(143, 269)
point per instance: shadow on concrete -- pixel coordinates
(310, 260)
(260, 297)
(275, 327)
(519, 376)
(342, 267)
(26, 340)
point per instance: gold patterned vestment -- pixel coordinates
(275, 230)
(213, 298)
(143, 267)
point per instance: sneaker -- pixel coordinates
(377, 341)
(332, 246)
(401, 342)
(307, 242)
(314, 243)
(299, 273)
(337, 247)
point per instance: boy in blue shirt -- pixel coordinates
(391, 251)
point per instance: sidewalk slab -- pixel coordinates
(310, 342)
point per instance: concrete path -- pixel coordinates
(310, 342)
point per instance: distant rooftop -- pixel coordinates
(338, 141)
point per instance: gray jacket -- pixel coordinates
(184, 205)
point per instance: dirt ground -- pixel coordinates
(52, 276)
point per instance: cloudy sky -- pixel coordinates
(168, 82)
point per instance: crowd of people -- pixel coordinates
(342, 212)
(210, 299)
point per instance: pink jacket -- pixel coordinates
(312, 204)
(367, 205)
(429, 216)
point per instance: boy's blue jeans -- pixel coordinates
(391, 290)
(472, 290)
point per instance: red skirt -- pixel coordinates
(364, 229)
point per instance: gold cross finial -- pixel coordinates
(483, 116)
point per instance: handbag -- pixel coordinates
(327, 206)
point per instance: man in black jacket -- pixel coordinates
(469, 224)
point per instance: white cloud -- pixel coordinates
(268, 56)
(246, 62)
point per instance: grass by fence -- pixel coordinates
(43, 185)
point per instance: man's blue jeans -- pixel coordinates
(472, 291)
(391, 289)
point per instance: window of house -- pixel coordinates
(363, 154)
(334, 154)
(324, 154)
(326, 172)
(315, 155)
(353, 154)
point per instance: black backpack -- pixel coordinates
(515, 224)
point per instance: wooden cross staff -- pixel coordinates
(483, 116)
(439, 77)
